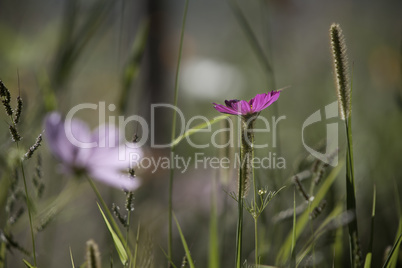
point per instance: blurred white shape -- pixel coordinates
(211, 79)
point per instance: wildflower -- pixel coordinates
(253, 106)
(248, 110)
(99, 154)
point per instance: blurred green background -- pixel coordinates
(125, 53)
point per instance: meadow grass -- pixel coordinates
(298, 217)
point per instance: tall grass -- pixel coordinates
(175, 99)
(344, 91)
(311, 226)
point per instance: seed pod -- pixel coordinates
(15, 136)
(18, 110)
(93, 255)
(34, 147)
(341, 70)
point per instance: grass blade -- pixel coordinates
(136, 246)
(28, 264)
(171, 264)
(183, 240)
(394, 259)
(285, 250)
(75, 37)
(108, 213)
(323, 228)
(72, 259)
(393, 254)
(239, 230)
(176, 94)
(367, 263)
(213, 231)
(251, 37)
(117, 242)
(133, 65)
(293, 252)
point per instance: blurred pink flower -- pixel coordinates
(99, 154)
(253, 106)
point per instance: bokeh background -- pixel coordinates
(63, 53)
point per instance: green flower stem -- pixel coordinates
(255, 216)
(239, 230)
(256, 240)
(247, 138)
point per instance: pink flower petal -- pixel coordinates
(223, 109)
(245, 107)
(114, 178)
(59, 143)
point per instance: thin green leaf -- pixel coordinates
(198, 128)
(173, 136)
(393, 254)
(367, 262)
(136, 246)
(183, 240)
(72, 259)
(394, 259)
(293, 252)
(338, 248)
(319, 232)
(239, 230)
(28, 264)
(118, 244)
(133, 65)
(76, 36)
(251, 37)
(213, 231)
(107, 210)
(167, 257)
(302, 221)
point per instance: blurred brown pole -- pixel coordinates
(155, 89)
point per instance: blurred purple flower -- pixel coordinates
(253, 106)
(98, 154)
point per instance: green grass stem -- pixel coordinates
(29, 212)
(213, 256)
(183, 240)
(176, 94)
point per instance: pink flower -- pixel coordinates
(253, 106)
(98, 154)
